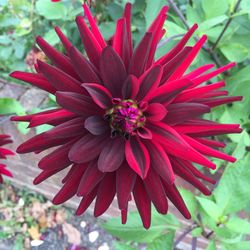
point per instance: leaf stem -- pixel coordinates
(226, 25)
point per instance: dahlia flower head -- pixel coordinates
(127, 124)
(4, 152)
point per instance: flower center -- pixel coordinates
(125, 117)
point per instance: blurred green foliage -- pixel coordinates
(217, 217)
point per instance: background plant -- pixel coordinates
(227, 24)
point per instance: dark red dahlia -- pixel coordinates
(127, 123)
(4, 139)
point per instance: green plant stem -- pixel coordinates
(226, 25)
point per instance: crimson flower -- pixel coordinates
(4, 139)
(127, 124)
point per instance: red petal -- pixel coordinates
(87, 148)
(111, 156)
(69, 189)
(90, 179)
(96, 125)
(140, 56)
(84, 68)
(100, 95)
(91, 45)
(142, 202)
(105, 194)
(137, 156)
(66, 43)
(170, 90)
(198, 71)
(113, 71)
(188, 60)
(76, 103)
(60, 80)
(37, 80)
(207, 150)
(86, 201)
(127, 16)
(177, 146)
(124, 186)
(174, 195)
(94, 28)
(178, 47)
(155, 112)
(160, 161)
(149, 82)
(180, 112)
(59, 60)
(130, 87)
(156, 192)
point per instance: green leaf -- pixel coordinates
(107, 29)
(211, 246)
(114, 10)
(190, 201)
(51, 37)
(51, 10)
(210, 207)
(165, 242)
(213, 9)
(197, 232)
(152, 9)
(122, 246)
(244, 245)
(208, 24)
(10, 106)
(238, 225)
(134, 231)
(234, 51)
(233, 189)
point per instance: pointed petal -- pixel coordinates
(91, 45)
(207, 150)
(149, 82)
(58, 59)
(86, 201)
(160, 161)
(177, 146)
(69, 189)
(113, 71)
(155, 112)
(142, 202)
(90, 179)
(145, 133)
(60, 80)
(76, 103)
(188, 60)
(124, 186)
(140, 56)
(175, 197)
(137, 156)
(100, 95)
(127, 16)
(36, 80)
(96, 125)
(170, 90)
(65, 41)
(130, 87)
(58, 159)
(111, 156)
(105, 194)
(156, 192)
(83, 67)
(178, 47)
(179, 112)
(87, 148)
(94, 28)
